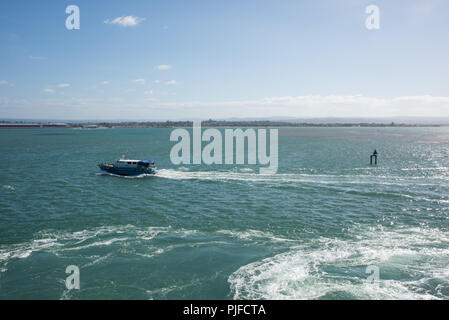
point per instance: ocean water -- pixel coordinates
(310, 231)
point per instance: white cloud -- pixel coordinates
(140, 81)
(125, 21)
(312, 106)
(63, 85)
(427, 99)
(105, 82)
(3, 82)
(309, 106)
(163, 67)
(149, 92)
(172, 82)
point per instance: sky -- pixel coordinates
(201, 59)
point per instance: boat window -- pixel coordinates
(129, 162)
(134, 163)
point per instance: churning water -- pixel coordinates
(219, 232)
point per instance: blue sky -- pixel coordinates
(221, 59)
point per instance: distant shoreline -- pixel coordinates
(208, 123)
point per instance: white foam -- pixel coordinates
(24, 250)
(302, 272)
(98, 260)
(58, 241)
(151, 255)
(244, 174)
(96, 244)
(151, 232)
(140, 176)
(251, 234)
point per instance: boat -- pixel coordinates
(127, 167)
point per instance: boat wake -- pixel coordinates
(140, 176)
(332, 268)
(117, 237)
(252, 175)
(412, 261)
(336, 180)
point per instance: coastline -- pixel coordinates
(209, 123)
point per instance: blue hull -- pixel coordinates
(127, 171)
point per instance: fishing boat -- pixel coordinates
(127, 167)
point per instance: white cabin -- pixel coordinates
(126, 163)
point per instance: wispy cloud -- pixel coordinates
(125, 21)
(52, 89)
(309, 106)
(423, 9)
(316, 106)
(37, 57)
(9, 36)
(172, 82)
(140, 81)
(156, 92)
(164, 67)
(150, 100)
(3, 82)
(427, 99)
(105, 82)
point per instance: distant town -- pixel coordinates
(4, 124)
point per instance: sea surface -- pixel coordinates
(317, 229)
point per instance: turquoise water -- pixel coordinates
(207, 232)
